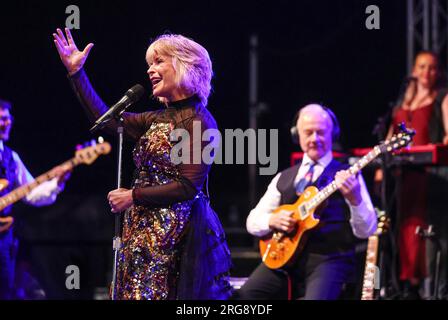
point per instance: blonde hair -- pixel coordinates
(190, 60)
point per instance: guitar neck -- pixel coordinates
(326, 192)
(370, 267)
(25, 189)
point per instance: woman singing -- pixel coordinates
(173, 244)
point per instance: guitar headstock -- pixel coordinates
(90, 152)
(383, 222)
(399, 140)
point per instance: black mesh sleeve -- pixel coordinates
(134, 123)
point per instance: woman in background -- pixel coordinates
(423, 108)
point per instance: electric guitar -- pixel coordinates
(86, 156)
(279, 248)
(370, 276)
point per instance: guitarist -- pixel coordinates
(327, 260)
(14, 171)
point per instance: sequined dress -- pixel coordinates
(173, 245)
(151, 235)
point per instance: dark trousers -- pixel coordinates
(314, 277)
(8, 249)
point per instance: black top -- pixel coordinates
(184, 103)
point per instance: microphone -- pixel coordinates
(132, 96)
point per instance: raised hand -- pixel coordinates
(71, 57)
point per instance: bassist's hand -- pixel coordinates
(282, 221)
(62, 173)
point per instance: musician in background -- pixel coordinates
(327, 261)
(423, 107)
(14, 171)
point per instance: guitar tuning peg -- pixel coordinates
(402, 127)
(93, 142)
(100, 139)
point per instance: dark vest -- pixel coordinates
(7, 171)
(334, 233)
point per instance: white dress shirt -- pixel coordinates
(362, 217)
(44, 194)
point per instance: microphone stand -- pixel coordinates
(116, 243)
(380, 130)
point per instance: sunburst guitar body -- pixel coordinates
(281, 247)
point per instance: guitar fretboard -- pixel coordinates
(24, 190)
(326, 192)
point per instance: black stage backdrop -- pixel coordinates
(309, 51)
